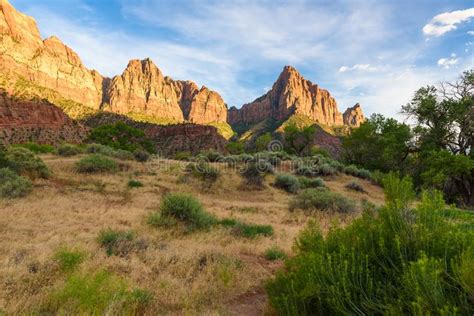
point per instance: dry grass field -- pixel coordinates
(202, 272)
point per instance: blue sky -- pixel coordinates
(376, 53)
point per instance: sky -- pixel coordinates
(376, 53)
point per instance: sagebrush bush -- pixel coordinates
(183, 155)
(12, 185)
(203, 171)
(306, 183)
(157, 219)
(109, 151)
(304, 170)
(355, 186)
(96, 163)
(187, 209)
(253, 175)
(394, 261)
(134, 184)
(287, 182)
(322, 200)
(68, 150)
(117, 242)
(68, 259)
(356, 172)
(123, 154)
(26, 162)
(275, 253)
(141, 155)
(326, 170)
(99, 293)
(211, 155)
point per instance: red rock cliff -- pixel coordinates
(353, 116)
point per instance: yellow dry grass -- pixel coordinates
(197, 273)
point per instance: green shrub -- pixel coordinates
(203, 171)
(96, 163)
(398, 191)
(287, 182)
(235, 148)
(311, 182)
(320, 151)
(274, 253)
(109, 151)
(134, 184)
(355, 186)
(182, 155)
(27, 163)
(68, 259)
(187, 209)
(211, 155)
(123, 155)
(37, 148)
(241, 229)
(116, 242)
(121, 136)
(326, 170)
(253, 175)
(356, 172)
(304, 170)
(376, 177)
(157, 219)
(100, 293)
(323, 200)
(12, 185)
(141, 155)
(68, 150)
(394, 261)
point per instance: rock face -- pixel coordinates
(40, 122)
(353, 116)
(141, 89)
(47, 63)
(290, 94)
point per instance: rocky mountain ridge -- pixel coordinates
(141, 90)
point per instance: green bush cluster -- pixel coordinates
(203, 171)
(37, 148)
(357, 172)
(183, 155)
(12, 185)
(287, 182)
(306, 183)
(253, 175)
(68, 150)
(395, 261)
(322, 200)
(96, 163)
(121, 136)
(111, 152)
(141, 155)
(25, 162)
(183, 208)
(134, 184)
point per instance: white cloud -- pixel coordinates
(446, 63)
(446, 22)
(360, 67)
(470, 32)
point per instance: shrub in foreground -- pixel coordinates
(187, 209)
(287, 182)
(322, 200)
(12, 185)
(253, 174)
(395, 261)
(96, 163)
(100, 293)
(26, 162)
(117, 242)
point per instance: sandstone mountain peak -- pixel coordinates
(290, 94)
(54, 69)
(353, 116)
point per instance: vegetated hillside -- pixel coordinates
(77, 229)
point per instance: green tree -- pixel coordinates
(297, 139)
(378, 144)
(262, 142)
(121, 136)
